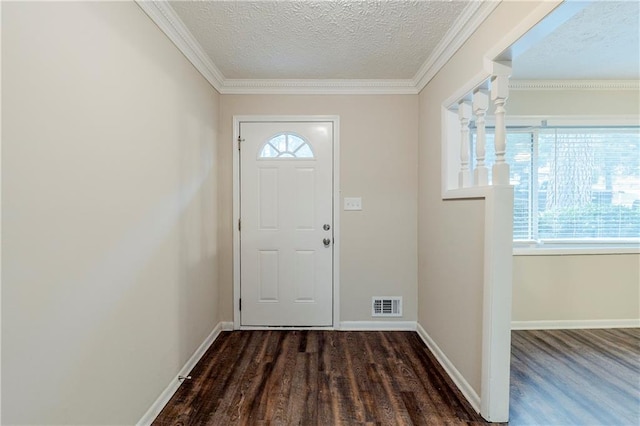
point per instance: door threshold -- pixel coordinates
(286, 327)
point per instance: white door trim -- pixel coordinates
(237, 119)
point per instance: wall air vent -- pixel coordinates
(386, 307)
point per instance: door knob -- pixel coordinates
(326, 227)
(327, 242)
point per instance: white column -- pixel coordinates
(464, 114)
(496, 306)
(480, 106)
(499, 95)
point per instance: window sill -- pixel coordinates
(575, 249)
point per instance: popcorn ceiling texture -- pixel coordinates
(318, 39)
(601, 41)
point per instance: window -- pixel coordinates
(573, 184)
(286, 145)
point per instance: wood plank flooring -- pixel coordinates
(318, 377)
(575, 377)
(558, 377)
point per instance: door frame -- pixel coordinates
(335, 120)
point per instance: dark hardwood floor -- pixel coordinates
(318, 377)
(575, 377)
(558, 377)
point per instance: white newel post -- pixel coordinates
(464, 114)
(480, 106)
(499, 95)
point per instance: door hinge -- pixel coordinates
(239, 140)
(240, 304)
(239, 224)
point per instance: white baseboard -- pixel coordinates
(574, 324)
(226, 325)
(171, 389)
(467, 391)
(377, 326)
(283, 328)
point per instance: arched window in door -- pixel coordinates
(286, 145)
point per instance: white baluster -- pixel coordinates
(480, 106)
(464, 114)
(499, 95)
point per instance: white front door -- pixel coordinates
(286, 213)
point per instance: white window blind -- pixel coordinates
(574, 184)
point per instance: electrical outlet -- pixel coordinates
(353, 203)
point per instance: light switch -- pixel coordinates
(353, 203)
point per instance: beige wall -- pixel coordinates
(378, 148)
(109, 279)
(573, 102)
(574, 288)
(450, 244)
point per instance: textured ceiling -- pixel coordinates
(318, 39)
(601, 42)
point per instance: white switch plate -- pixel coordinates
(353, 203)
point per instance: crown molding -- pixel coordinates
(574, 84)
(319, 86)
(161, 12)
(467, 23)
(164, 16)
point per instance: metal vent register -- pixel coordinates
(386, 307)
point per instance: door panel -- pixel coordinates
(268, 265)
(304, 265)
(286, 197)
(305, 199)
(268, 199)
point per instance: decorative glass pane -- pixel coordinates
(304, 152)
(295, 143)
(279, 142)
(286, 145)
(268, 152)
